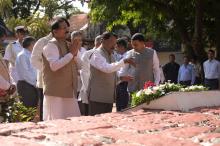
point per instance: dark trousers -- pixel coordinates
(122, 96)
(28, 93)
(41, 100)
(198, 81)
(212, 84)
(185, 83)
(99, 108)
(84, 108)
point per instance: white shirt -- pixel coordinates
(211, 69)
(11, 53)
(51, 53)
(118, 56)
(4, 84)
(85, 74)
(186, 73)
(162, 78)
(36, 58)
(100, 63)
(79, 55)
(25, 70)
(129, 70)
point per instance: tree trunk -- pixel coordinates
(217, 31)
(198, 32)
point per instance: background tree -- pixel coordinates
(35, 14)
(174, 20)
(5, 6)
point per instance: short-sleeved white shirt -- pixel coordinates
(11, 53)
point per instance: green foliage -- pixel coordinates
(20, 113)
(146, 96)
(171, 87)
(138, 99)
(15, 111)
(12, 22)
(4, 6)
(37, 26)
(24, 8)
(173, 20)
(58, 7)
(35, 14)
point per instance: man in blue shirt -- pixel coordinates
(27, 75)
(186, 75)
(212, 71)
(122, 96)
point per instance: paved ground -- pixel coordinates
(200, 127)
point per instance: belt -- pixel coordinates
(211, 79)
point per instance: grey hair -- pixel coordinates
(76, 34)
(98, 39)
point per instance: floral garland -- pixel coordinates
(152, 92)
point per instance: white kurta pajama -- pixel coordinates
(58, 107)
(85, 74)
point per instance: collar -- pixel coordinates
(211, 60)
(27, 51)
(18, 43)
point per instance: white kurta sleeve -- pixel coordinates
(156, 68)
(36, 55)
(99, 62)
(51, 52)
(8, 53)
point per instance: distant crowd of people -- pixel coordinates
(191, 72)
(64, 79)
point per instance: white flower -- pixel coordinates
(156, 88)
(148, 91)
(162, 86)
(192, 87)
(139, 93)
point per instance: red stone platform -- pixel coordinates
(198, 127)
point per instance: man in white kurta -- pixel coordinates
(58, 61)
(85, 74)
(37, 62)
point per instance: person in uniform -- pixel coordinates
(12, 51)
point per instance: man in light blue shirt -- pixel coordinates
(27, 75)
(122, 96)
(186, 75)
(212, 71)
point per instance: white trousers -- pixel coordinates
(60, 108)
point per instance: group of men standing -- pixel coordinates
(71, 81)
(191, 72)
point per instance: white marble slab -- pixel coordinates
(184, 101)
